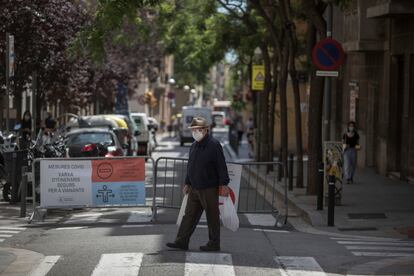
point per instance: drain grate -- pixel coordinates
(358, 229)
(367, 216)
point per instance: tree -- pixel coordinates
(42, 30)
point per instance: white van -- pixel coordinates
(188, 113)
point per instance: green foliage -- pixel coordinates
(109, 17)
(192, 32)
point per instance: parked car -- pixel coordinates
(93, 142)
(188, 113)
(144, 139)
(132, 134)
(116, 124)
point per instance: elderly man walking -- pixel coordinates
(207, 176)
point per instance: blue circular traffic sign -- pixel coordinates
(328, 54)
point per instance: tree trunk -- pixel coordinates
(264, 144)
(283, 75)
(273, 107)
(291, 32)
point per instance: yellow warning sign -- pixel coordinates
(258, 77)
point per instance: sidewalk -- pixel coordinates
(373, 205)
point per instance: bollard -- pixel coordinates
(13, 179)
(331, 200)
(23, 192)
(320, 187)
(290, 172)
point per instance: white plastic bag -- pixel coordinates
(182, 210)
(228, 214)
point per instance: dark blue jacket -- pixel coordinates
(206, 166)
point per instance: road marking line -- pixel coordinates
(1, 240)
(87, 215)
(382, 254)
(139, 216)
(271, 230)
(391, 248)
(125, 264)
(5, 236)
(136, 226)
(299, 266)
(377, 243)
(214, 264)
(9, 232)
(45, 266)
(70, 228)
(364, 239)
(261, 219)
(202, 226)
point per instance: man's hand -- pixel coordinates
(186, 189)
(224, 190)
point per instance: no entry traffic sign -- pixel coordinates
(328, 54)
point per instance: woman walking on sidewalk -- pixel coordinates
(350, 146)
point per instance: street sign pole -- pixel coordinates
(7, 81)
(328, 82)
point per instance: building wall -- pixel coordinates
(379, 68)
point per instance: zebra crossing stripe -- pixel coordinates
(299, 266)
(11, 228)
(212, 264)
(139, 216)
(381, 248)
(125, 264)
(45, 266)
(1, 240)
(5, 236)
(382, 254)
(9, 232)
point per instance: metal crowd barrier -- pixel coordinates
(257, 194)
(39, 211)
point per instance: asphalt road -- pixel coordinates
(118, 241)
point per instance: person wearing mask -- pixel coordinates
(206, 179)
(350, 146)
(26, 129)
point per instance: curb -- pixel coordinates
(24, 262)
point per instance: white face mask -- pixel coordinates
(351, 129)
(198, 135)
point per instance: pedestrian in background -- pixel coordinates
(250, 136)
(207, 177)
(350, 146)
(240, 129)
(26, 130)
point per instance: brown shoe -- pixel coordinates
(177, 246)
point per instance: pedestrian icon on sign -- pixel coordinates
(105, 194)
(259, 77)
